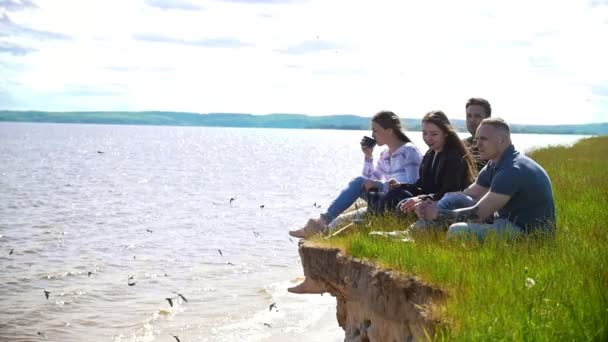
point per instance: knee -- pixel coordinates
(446, 200)
(358, 180)
(457, 229)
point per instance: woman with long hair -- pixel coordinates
(446, 167)
(398, 163)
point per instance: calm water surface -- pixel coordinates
(83, 208)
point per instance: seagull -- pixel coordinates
(100, 152)
(231, 264)
(262, 206)
(176, 338)
(89, 274)
(273, 305)
(316, 205)
(131, 277)
(40, 333)
(129, 281)
(132, 284)
(268, 325)
(181, 296)
(149, 230)
(232, 199)
(219, 250)
(11, 252)
(46, 294)
(170, 301)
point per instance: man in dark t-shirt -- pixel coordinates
(512, 188)
(477, 109)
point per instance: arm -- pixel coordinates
(476, 191)
(452, 175)
(411, 163)
(486, 207)
(414, 188)
(371, 171)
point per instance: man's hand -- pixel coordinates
(426, 210)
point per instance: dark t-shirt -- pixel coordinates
(531, 205)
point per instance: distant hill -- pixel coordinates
(269, 121)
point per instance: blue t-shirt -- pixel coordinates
(531, 205)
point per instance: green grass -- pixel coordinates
(488, 298)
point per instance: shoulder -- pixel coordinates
(410, 148)
(451, 153)
(451, 158)
(511, 174)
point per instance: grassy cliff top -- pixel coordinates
(534, 289)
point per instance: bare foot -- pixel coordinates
(308, 287)
(312, 227)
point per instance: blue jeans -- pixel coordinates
(349, 195)
(455, 200)
(501, 227)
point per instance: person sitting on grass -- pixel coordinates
(477, 109)
(399, 162)
(512, 188)
(447, 166)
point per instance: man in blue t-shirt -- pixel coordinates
(512, 188)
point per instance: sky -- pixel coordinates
(537, 62)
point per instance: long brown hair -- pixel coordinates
(439, 119)
(388, 119)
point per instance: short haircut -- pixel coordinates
(480, 102)
(497, 123)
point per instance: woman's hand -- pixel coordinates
(410, 205)
(368, 151)
(393, 184)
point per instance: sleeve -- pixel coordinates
(484, 179)
(416, 187)
(373, 172)
(506, 182)
(452, 177)
(411, 164)
(368, 168)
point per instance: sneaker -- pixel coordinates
(312, 227)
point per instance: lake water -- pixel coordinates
(83, 208)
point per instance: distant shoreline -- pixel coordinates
(297, 121)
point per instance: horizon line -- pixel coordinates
(252, 114)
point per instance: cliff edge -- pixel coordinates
(373, 304)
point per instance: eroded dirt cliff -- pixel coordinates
(372, 304)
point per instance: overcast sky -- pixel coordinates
(536, 61)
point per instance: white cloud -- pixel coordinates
(537, 62)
